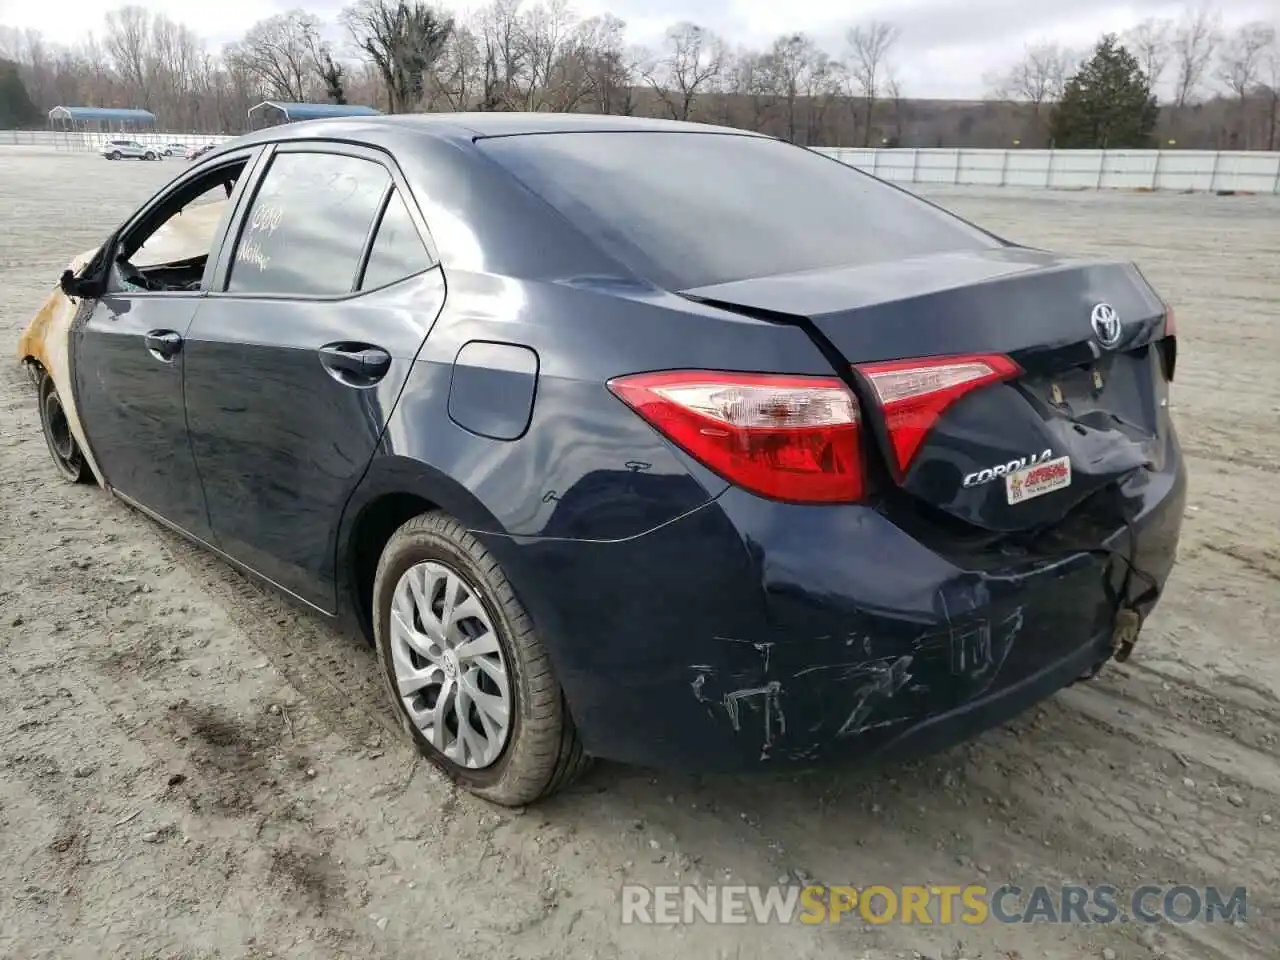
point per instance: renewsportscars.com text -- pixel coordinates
(932, 904)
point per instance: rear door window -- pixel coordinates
(692, 209)
(305, 232)
(398, 251)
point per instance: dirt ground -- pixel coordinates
(191, 767)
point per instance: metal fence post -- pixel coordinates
(915, 165)
(1275, 187)
(1213, 175)
(1155, 174)
(875, 162)
(955, 179)
(1102, 170)
(1048, 171)
(1004, 169)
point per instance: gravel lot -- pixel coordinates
(190, 767)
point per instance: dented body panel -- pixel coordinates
(792, 634)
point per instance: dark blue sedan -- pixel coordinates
(660, 442)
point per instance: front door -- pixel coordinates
(128, 374)
(129, 354)
(293, 368)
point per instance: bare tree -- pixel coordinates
(752, 80)
(799, 75)
(1195, 41)
(608, 65)
(457, 75)
(1040, 76)
(692, 63)
(281, 53)
(1151, 42)
(403, 38)
(1035, 83)
(893, 90)
(556, 56)
(1271, 93)
(1244, 56)
(869, 48)
(503, 52)
(128, 44)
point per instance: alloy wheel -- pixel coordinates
(450, 670)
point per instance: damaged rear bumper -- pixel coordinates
(751, 632)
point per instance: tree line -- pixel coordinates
(407, 56)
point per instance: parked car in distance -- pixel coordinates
(128, 150)
(175, 149)
(666, 443)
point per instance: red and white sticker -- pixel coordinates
(1038, 479)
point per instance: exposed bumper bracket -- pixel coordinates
(1125, 633)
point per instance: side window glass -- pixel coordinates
(305, 231)
(398, 250)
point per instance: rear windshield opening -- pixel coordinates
(693, 209)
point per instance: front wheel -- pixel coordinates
(66, 453)
(150, 155)
(114, 155)
(470, 677)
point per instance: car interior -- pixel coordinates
(169, 249)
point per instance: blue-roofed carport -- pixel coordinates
(101, 118)
(269, 113)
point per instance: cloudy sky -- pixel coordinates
(946, 48)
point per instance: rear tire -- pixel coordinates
(150, 155)
(66, 453)
(449, 595)
(115, 155)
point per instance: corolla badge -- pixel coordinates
(995, 471)
(1106, 324)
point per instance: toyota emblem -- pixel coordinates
(1106, 324)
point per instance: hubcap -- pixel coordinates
(448, 664)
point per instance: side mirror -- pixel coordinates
(92, 281)
(89, 286)
(70, 284)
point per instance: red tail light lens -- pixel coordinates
(1170, 324)
(914, 394)
(789, 438)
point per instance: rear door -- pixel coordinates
(294, 364)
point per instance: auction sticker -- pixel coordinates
(1038, 479)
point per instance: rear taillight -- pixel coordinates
(791, 438)
(914, 394)
(1170, 323)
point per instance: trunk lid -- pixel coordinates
(1099, 405)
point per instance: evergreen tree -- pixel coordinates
(16, 108)
(1108, 104)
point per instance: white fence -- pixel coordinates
(1180, 170)
(1177, 170)
(92, 142)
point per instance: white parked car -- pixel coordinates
(132, 149)
(174, 149)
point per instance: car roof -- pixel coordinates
(401, 130)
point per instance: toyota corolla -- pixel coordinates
(659, 442)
